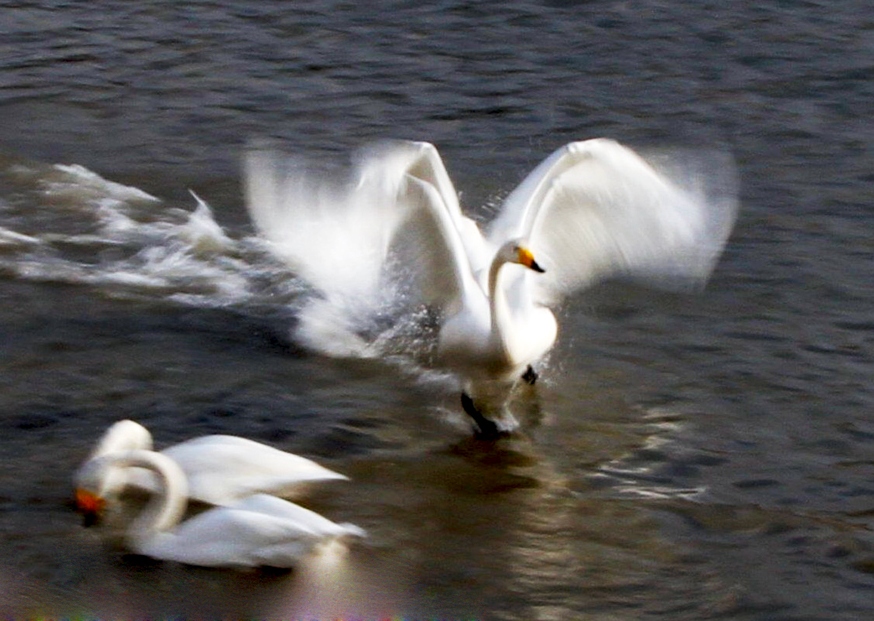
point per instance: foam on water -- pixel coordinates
(73, 226)
(76, 227)
(79, 182)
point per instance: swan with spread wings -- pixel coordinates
(592, 210)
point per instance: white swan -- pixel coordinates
(259, 530)
(219, 469)
(592, 210)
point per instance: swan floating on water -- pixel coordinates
(592, 210)
(219, 469)
(258, 530)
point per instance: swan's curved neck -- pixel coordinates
(167, 505)
(499, 309)
(125, 435)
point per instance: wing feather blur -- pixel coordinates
(595, 210)
(435, 246)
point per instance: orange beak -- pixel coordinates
(90, 505)
(526, 258)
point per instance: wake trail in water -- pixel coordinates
(67, 224)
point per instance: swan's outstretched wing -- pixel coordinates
(407, 162)
(400, 205)
(222, 469)
(435, 246)
(428, 249)
(595, 209)
(388, 162)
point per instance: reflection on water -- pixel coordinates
(589, 511)
(456, 529)
(482, 530)
(636, 474)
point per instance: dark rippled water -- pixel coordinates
(685, 457)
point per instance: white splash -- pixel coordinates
(76, 180)
(74, 226)
(202, 232)
(342, 230)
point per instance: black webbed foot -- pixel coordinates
(530, 375)
(486, 429)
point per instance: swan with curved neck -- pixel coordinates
(219, 469)
(496, 332)
(518, 334)
(591, 211)
(502, 329)
(259, 530)
(492, 331)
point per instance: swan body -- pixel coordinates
(219, 469)
(591, 211)
(259, 530)
(488, 337)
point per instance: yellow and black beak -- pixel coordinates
(526, 258)
(90, 505)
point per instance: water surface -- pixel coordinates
(686, 457)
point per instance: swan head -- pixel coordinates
(95, 484)
(100, 481)
(517, 251)
(95, 493)
(92, 490)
